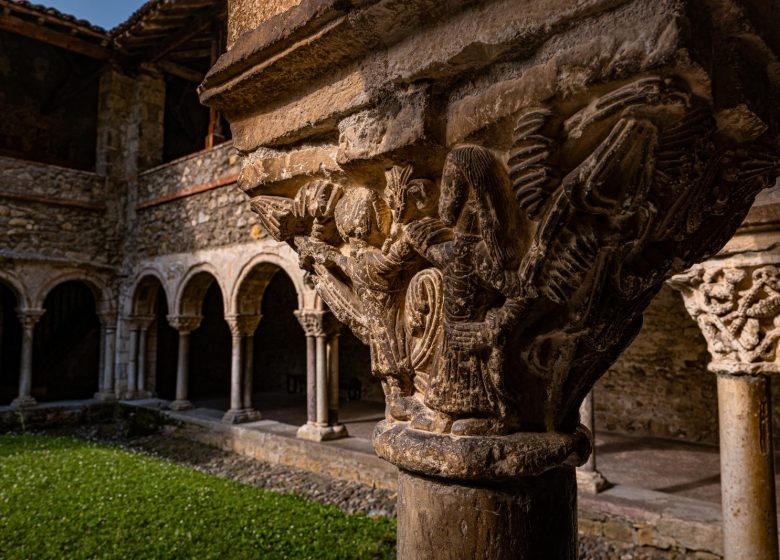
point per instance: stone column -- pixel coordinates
(143, 333)
(589, 479)
(737, 310)
(249, 368)
(185, 325)
(132, 363)
(108, 328)
(318, 327)
(241, 327)
(333, 377)
(495, 298)
(29, 318)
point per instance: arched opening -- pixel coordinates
(157, 339)
(10, 344)
(279, 370)
(361, 395)
(166, 347)
(210, 348)
(66, 347)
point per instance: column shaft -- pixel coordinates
(132, 364)
(236, 397)
(182, 373)
(311, 380)
(333, 380)
(322, 382)
(747, 468)
(141, 378)
(249, 351)
(530, 518)
(102, 362)
(25, 369)
(108, 360)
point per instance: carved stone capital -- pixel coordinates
(243, 325)
(495, 297)
(738, 312)
(108, 319)
(185, 324)
(140, 322)
(318, 323)
(30, 317)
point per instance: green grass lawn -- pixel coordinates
(67, 498)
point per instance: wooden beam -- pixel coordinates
(55, 38)
(180, 71)
(73, 25)
(189, 31)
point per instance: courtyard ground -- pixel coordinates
(68, 497)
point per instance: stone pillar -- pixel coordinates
(108, 329)
(241, 327)
(249, 369)
(737, 310)
(132, 363)
(29, 318)
(143, 334)
(333, 377)
(589, 479)
(185, 325)
(318, 326)
(495, 298)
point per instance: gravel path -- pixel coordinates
(350, 497)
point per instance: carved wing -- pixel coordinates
(342, 301)
(530, 169)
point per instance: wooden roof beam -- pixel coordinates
(55, 38)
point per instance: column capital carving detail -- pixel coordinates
(185, 324)
(140, 322)
(494, 298)
(30, 317)
(316, 322)
(243, 325)
(738, 312)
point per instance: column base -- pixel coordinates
(24, 402)
(313, 432)
(105, 397)
(241, 416)
(180, 405)
(591, 482)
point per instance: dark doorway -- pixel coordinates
(66, 349)
(210, 349)
(10, 345)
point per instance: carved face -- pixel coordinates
(362, 214)
(454, 192)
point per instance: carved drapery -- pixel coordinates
(493, 298)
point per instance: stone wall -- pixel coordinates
(52, 212)
(191, 204)
(660, 386)
(187, 172)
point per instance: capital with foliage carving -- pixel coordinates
(242, 325)
(185, 324)
(738, 311)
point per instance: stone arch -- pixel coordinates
(104, 299)
(146, 289)
(67, 340)
(254, 277)
(193, 287)
(18, 287)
